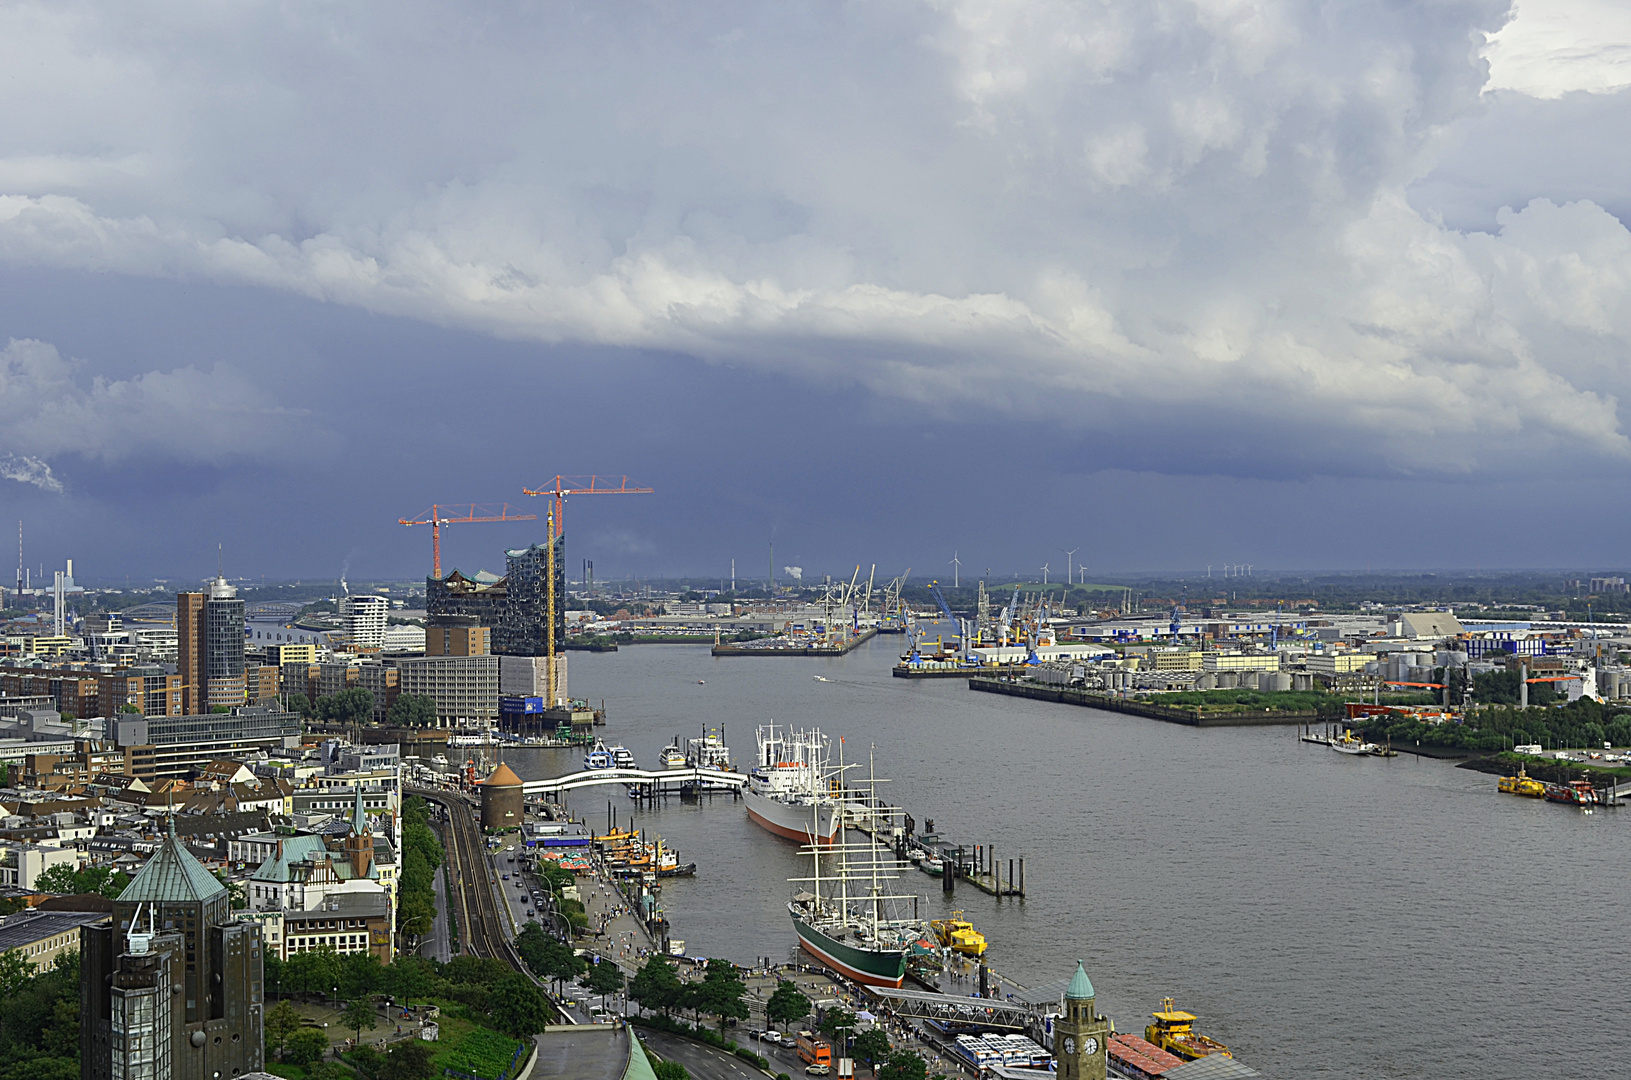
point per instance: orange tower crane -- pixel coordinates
(465, 514)
(559, 489)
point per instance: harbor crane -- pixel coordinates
(465, 514)
(561, 487)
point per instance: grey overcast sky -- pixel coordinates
(1175, 282)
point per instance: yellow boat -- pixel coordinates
(1173, 1032)
(1522, 784)
(958, 935)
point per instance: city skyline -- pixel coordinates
(1280, 290)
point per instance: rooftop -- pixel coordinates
(172, 874)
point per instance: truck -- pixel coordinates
(813, 1051)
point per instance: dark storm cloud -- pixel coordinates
(1220, 236)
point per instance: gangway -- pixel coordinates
(953, 1009)
(659, 778)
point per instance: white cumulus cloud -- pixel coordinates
(1089, 213)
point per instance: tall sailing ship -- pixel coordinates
(793, 790)
(847, 917)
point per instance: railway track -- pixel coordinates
(483, 930)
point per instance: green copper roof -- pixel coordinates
(1081, 987)
(171, 875)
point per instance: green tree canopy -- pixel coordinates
(99, 880)
(655, 986)
(787, 1004)
(719, 994)
(604, 978)
(670, 1070)
(872, 1047)
(353, 706)
(359, 1016)
(281, 1022)
(410, 1060)
(903, 1065)
(519, 1010)
(306, 1046)
(412, 710)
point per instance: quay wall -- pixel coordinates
(737, 650)
(1192, 716)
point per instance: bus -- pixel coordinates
(813, 1051)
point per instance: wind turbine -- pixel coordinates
(1070, 578)
(956, 569)
(1044, 573)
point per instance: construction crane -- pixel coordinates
(559, 489)
(437, 516)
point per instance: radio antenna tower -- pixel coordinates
(19, 556)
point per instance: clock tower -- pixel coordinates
(1079, 1036)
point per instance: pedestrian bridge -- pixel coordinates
(656, 778)
(951, 1009)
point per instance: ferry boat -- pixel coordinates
(958, 935)
(1522, 784)
(608, 757)
(793, 791)
(847, 921)
(1173, 1032)
(1573, 793)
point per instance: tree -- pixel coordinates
(836, 1024)
(281, 1022)
(100, 880)
(787, 1004)
(333, 1070)
(410, 977)
(359, 1016)
(519, 1010)
(604, 978)
(305, 1046)
(273, 974)
(15, 970)
(353, 706)
(312, 972)
(903, 1065)
(412, 710)
(411, 1060)
(872, 1046)
(656, 986)
(670, 1070)
(719, 994)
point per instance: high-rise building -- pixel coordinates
(172, 987)
(514, 606)
(190, 651)
(364, 618)
(224, 647)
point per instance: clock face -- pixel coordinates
(1070, 1045)
(1090, 1046)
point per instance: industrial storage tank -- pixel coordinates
(1269, 681)
(1228, 680)
(1207, 681)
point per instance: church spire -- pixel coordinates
(359, 816)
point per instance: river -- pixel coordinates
(1325, 916)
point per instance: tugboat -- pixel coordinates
(1522, 784)
(958, 935)
(1173, 1032)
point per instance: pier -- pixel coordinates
(1191, 716)
(942, 670)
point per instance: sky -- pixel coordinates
(1298, 284)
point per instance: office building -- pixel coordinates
(190, 650)
(224, 646)
(171, 987)
(42, 936)
(457, 635)
(465, 688)
(364, 619)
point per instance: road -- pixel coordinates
(703, 1062)
(436, 945)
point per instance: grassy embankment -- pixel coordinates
(1332, 706)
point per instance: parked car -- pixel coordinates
(771, 1036)
(786, 1043)
(817, 1070)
